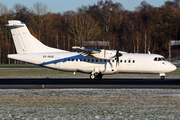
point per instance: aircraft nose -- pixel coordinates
(173, 67)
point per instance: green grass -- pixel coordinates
(44, 73)
(177, 64)
(37, 73)
(17, 65)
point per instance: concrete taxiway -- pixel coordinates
(66, 83)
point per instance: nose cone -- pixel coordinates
(173, 67)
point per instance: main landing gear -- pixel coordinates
(162, 75)
(94, 76)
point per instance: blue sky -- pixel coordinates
(65, 5)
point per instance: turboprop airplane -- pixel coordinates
(96, 62)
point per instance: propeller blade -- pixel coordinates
(117, 57)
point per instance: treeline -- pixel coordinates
(146, 29)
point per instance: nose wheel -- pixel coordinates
(162, 76)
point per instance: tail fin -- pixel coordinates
(25, 42)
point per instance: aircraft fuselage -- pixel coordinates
(72, 61)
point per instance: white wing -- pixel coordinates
(85, 51)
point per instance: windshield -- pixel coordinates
(159, 59)
(163, 59)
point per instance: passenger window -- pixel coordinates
(108, 60)
(129, 61)
(76, 59)
(121, 61)
(92, 60)
(104, 60)
(133, 61)
(80, 59)
(68, 59)
(112, 60)
(96, 60)
(88, 60)
(84, 60)
(100, 60)
(124, 61)
(72, 59)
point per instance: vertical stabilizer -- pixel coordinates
(25, 42)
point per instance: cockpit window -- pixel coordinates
(155, 59)
(163, 59)
(159, 59)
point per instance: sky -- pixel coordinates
(56, 6)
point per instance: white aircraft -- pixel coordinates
(96, 62)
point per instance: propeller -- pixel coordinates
(117, 57)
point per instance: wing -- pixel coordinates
(98, 53)
(85, 51)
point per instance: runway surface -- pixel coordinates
(65, 83)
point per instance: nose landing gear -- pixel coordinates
(162, 75)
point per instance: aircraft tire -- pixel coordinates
(99, 77)
(162, 77)
(92, 77)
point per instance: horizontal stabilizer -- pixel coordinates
(15, 24)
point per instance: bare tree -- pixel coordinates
(177, 4)
(3, 31)
(40, 8)
(84, 28)
(144, 10)
(39, 18)
(21, 12)
(3, 9)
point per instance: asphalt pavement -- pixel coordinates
(66, 83)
